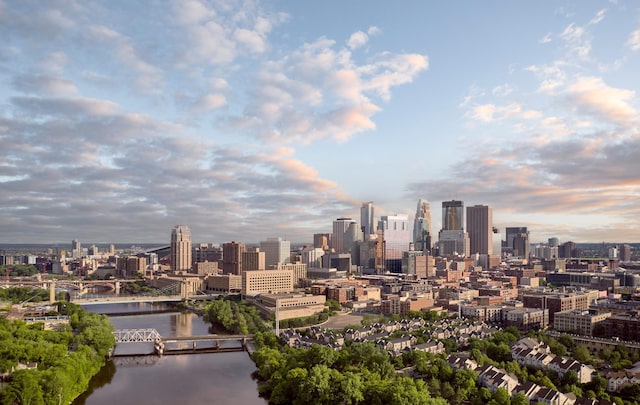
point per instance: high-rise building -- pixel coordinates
(180, 248)
(322, 240)
(76, 249)
(232, 255)
(516, 242)
(422, 227)
(553, 242)
(453, 243)
(276, 250)
(342, 237)
(568, 250)
(254, 259)
(367, 219)
(396, 236)
(625, 253)
(480, 229)
(452, 213)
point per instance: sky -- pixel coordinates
(252, 119)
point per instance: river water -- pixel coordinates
(189, 379)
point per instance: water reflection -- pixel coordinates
(194, 379)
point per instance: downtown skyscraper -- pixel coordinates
(180, 248)
(480, 229)
(367, 219)
(452, 239)
(452, 213)
(422, 226)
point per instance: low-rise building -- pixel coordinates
(579, 321)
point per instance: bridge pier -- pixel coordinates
(158, 346)
(117, 287)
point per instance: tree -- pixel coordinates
(333, 305)
(501, 396)
(519, 399)
(23, 389)
(581, 354)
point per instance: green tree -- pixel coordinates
(581, 353)
(501, 397)
(23, 389)
(519, 399)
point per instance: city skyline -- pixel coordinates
(248, 120)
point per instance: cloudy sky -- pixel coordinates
(251, 119)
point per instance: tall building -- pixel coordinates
(568, 250)
(452, 213)
(396, 236)
(180, 248)
(232, 255)
(322, 240)
(422, 227)
(253, 259)
(367, 219)
(625, 253)
(480, 229)
(516, 242)
(453, 243)
(553, 242)
(276, 250)
(76, 249)
(342, 236)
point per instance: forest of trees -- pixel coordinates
(16, 295)
(235, 317)
(66, 359)
(19, 270)
(356, 374)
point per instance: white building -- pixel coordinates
(396, 234)
(276, 250)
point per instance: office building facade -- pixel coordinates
(276, 250)
(180, 248)
(480, 229)
(452, 215)
(232, 255)
(367, 219)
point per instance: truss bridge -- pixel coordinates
(137, 335)
(185, 344)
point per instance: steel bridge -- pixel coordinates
(184, 344)
(136, 335)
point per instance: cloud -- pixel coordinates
(502, 90)
(150, 175)
(634, 40)
(598, 17)
(149, 77)
(319, 91)
(39, 84)
(577, 41)
(546, 39)
(489, 112)
(357, 40)
(592, 96)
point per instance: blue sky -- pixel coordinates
(246, 120)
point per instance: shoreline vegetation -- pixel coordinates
(45, 367)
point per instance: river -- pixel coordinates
(190, 379)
